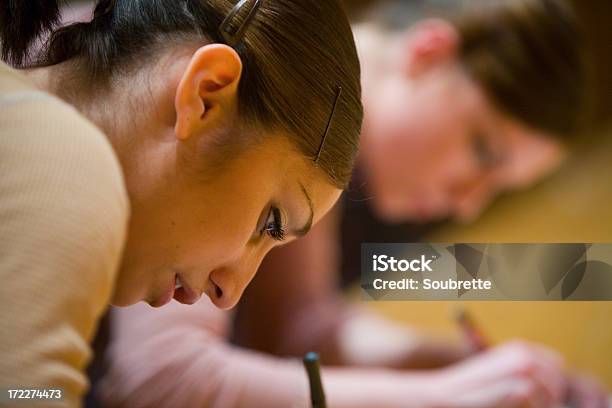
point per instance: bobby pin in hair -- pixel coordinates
(233, 35)
(329, 122)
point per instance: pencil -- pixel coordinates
(476, 340)
(478, 343)
(317, 396)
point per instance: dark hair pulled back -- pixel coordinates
(295, 55)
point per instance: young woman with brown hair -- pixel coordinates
(437, 122)
(224, 128)
(462, 109)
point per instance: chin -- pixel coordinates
(122, 298)
(403, 215)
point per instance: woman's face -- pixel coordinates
(435, 147)
(209, 228)
(208, 198)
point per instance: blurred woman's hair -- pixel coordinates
(528, 56)
(295, 55)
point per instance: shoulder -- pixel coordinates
(63, 221)
(43, 136)
(61, 181)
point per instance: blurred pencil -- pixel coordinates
(476, 340)
(317, 395)
(478, 343)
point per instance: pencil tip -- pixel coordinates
(311, 357)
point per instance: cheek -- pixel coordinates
(426, 149)
(219, 234)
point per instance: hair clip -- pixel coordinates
(103, 8)
(329, 122)
(233, 36)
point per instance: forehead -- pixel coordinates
(302, 171)
(278, 163)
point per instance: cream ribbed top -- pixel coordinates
(63, 219)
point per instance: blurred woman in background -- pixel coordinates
(456, 111)
(460, 110)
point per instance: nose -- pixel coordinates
(231, 280)
(457, 172)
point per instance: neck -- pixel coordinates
(130, 111)
(61, 80)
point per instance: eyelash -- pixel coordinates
(274, 228)
(483, 151)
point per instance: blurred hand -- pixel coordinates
(514, 375)
(585, 391)
(430, 353)
(367, 339)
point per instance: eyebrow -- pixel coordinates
(304, 230)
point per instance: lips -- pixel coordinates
(429, 210)
(164, 298)
(183, 293)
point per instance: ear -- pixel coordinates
(427, 44)
(208, 89)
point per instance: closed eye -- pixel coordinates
(483, 151)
